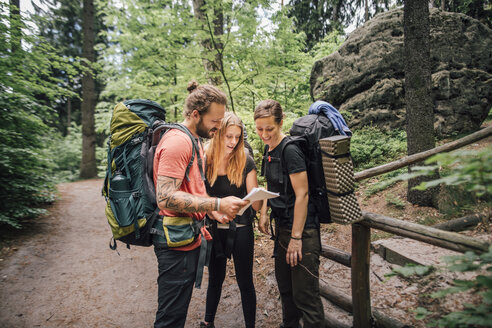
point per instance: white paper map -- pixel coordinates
(257, 194)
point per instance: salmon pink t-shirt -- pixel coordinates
(172, 156)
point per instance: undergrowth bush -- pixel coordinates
(68, 152)
(25, 162)
(471, 170)
(384, 181)
(371, 147)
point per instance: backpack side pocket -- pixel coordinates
(124, 206)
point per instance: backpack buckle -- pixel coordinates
(136, 194)
(136, 141)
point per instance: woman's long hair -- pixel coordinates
(215, 151)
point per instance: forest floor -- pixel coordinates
(59, 271)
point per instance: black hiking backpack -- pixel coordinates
(131, 209)
(306, 132)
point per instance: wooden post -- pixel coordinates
(361, 297)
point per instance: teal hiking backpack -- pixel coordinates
(131, 209)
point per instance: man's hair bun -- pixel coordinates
(192, 86)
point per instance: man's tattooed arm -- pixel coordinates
(170, 197)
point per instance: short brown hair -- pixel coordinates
(267, 108)
(201, 97)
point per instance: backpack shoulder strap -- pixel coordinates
(196, 150)
(263, 161)
(285, 175)
(162, 128)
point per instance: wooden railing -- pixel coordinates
(359, 260)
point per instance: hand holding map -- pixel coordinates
(257, 194)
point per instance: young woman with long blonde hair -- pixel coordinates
(231, 171)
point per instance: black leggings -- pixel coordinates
(242, 254)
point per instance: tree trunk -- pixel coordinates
(208, 43)
(69, 114)
(88, 167)
(418, 99)
(336, 8)
(15, 29)
(366, 11)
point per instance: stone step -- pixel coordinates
(401, 251)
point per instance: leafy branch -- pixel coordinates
(481, 285)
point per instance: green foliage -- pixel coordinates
(479, 9)
(481, 285)
(60, 23)
(410, 270)
(471, 315)
(470, 168)
(69, 153)
(384, 181)
(394, 201)
(25, 166)
(157, 57)
(317, 19)
(152, 53)
(371, 147)
(380, 235)
(155, 51)
(329, 44)
(421, 313)
(26, 89)
(466, 173)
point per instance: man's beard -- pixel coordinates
(202, 131)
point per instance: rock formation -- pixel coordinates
(364, 78)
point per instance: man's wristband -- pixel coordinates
(217, 204)
(295, 238)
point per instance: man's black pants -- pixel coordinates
(177, 271)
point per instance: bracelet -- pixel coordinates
(217, 204)
(295, 238)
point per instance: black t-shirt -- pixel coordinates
(277, 178)
(223, 188)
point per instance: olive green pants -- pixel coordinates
(299, 289)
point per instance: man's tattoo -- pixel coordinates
(170, 197)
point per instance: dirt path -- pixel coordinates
(64, 275)
(60, 272)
